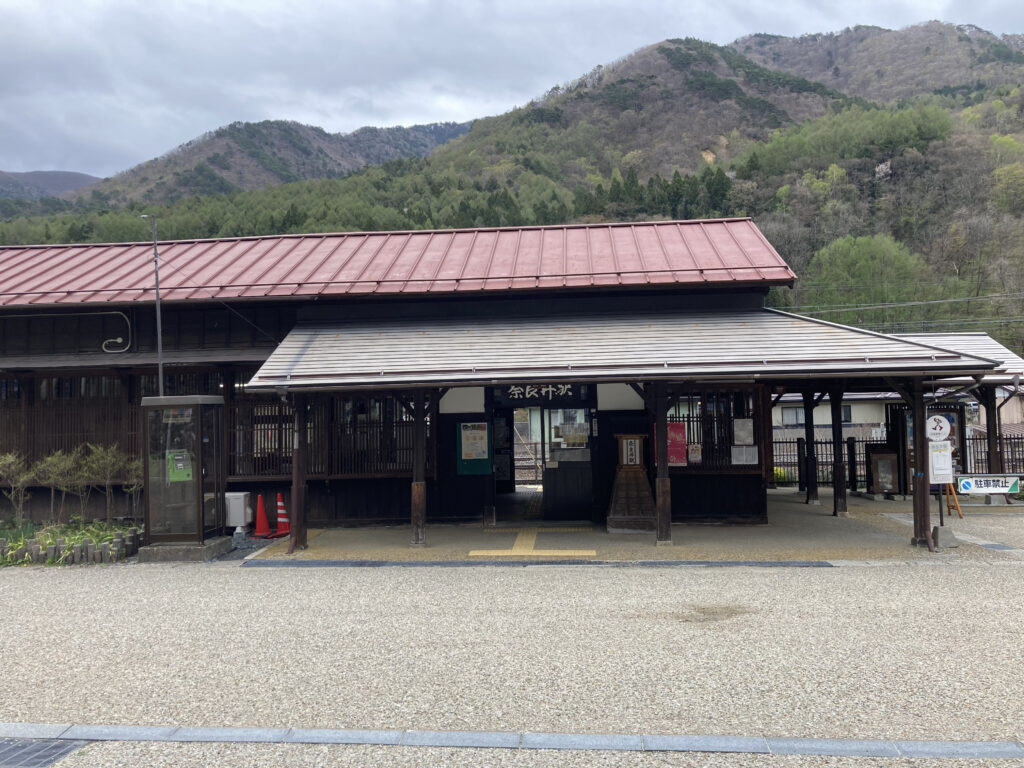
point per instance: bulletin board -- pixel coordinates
(473, 443)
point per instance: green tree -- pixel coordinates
(1008, 188)
(873, 272)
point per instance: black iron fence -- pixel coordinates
(790, 464)
(1012, 449)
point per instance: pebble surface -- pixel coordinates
(887, 651)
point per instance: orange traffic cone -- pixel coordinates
(283, 526)
(262, 524)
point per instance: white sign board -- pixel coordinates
(986, 484)
(937, 428)
(940, 461)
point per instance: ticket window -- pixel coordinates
(184, 468)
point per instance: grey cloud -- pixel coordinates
(100, 85)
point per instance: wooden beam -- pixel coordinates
(987, 395)
(835, 398)
(922, 518)
(811, 460)
(418, 493)
(663, 483)
(300, 439)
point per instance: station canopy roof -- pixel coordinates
(712, 252)
(978, 344)
(677, 345)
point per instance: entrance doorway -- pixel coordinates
(553, 475)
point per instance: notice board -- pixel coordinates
(473, 444)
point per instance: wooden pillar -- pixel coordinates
(995, 455)
(418, 498)
(297, 538)
(922, 518)
(811, 470)
(663, 484)
(764, 405)
(835, 399)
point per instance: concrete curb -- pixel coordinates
(521, 740)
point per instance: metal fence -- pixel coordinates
(788, 460)
(788, 455)
(1012, 450)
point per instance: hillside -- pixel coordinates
(676, 105)
(914, 210)
(884, 65)
(245, 156)
(33, 185)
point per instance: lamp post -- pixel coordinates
(159, 328)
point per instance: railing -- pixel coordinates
(789, 464)
(1012, 449)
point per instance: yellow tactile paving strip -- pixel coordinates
(525, 545)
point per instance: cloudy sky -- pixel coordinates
(98, 86)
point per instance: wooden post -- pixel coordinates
(995, 456)
(663, 484)
(922, 518)
(767, 434)
(418, 498)
(297, 538)
(811, 473)
(835, 399)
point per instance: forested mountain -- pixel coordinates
(884, 65)
(912, 212)
(32, 185)
(244, 156)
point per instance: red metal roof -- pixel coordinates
(715, 252)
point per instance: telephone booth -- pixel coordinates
(184, 469)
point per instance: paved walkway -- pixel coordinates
(796, 534)
(76, 736)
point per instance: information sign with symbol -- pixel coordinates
(936, 427)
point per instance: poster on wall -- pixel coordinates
(677, 448)
(474, 441)
(474, 448)
(677, 444)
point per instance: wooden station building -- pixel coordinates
(376, 376)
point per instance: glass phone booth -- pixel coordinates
(184, 469)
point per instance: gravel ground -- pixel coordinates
(883, 652)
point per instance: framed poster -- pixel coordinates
(474, 448)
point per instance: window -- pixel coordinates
(847, 414)
(793, 416)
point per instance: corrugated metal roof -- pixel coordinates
(978, 344)
(705, 252)
(679, 345)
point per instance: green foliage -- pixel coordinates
(855, 132)
(53, 472)
(16, 477)
(873, 271)
(73, 534)
(1008, 188)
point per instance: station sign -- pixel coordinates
(551, 394)
(986, 484)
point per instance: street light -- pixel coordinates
(159, 329)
